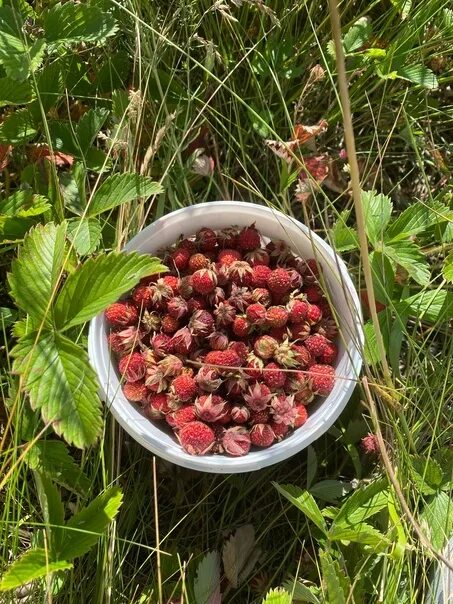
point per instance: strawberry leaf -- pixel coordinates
(206, 586)
(121, 188)
(32, 565)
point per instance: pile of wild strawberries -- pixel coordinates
(231, 345)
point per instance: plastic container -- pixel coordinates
(322, 414)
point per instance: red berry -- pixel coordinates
(329, 355)
(315, 344)
(301, 355)
(226, 257)
(142, 296)
(265, 346)
(206, 239)
(179, 418)
(300, 331)
(279, 333)
(240, 414)
(212, 408)
(184, 388)
(135, 391)
(302, 416)
(177, 307)
(201, 323)
(260, 275)
(204, 281)
(262, 296)
(262, 435)
(297, 311)
(256, 314)
(241, 349)
(241, 327)
(273, 376)
(182, 341)
(314, 314)
(240, 273)
(161, 344)
(169, 324)
(276, 316)
(223, 358)
(322, 378)
(157, 405)
(189, 245)
(236, 441)
(180, 258)
(197, 262)
(172, 282)
(259, 417)
(254, 366)
(279, 430)
(196, 303)
(121, 314)
(196, 438)
(124, 341)
(258, 257)
(249, 239)
(370, 444)
(132, 367)
(279, 281)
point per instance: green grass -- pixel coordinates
(235, 78)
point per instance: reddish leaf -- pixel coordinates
(5, 152)
(37, 154)
(302, 134)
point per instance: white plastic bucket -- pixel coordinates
(322, 414)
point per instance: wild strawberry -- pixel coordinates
(172, 282)
(212, 409)
(300, 331)
(132, 367)
(257, 257)
(224, 314)
(150, 321)
(258, 397)
(240, 297)
(315, 344)
(256, 314)
(265, 346)
(302, 356)
(240, 414)
(124, 341)
(327, 327)
(254, 367)
(312, 269)
(236, 441)
(161, 292)
(177, 307)
(283, 409)
(196, 303)
(201, 323)
(182, 341)
(240, 348)
(240, 273)
(261, 435)
(155, 379)
(262, 296)
(295, 278)
(370, 444)
(249, 239)
(142, 296)
(188, 244)
(236, 384)
(304, 395)
(259, 417)
(208, 379)
(223, 358)
(221, 271)
(204, 281)
(260, 275)
(273, 376)
(196, 438)
(216, 296)
(169, 324)
(149, 357)
(276, 316)
(184, 388)
(301, 417)
(329, 355)
(226, 257)
(313, 293)
(279, 430)
(179, 418)
(279, 282)
(322, 378)
(279, 251)
(241, 327)
(135, 391)
(279, 333)
(121, 314)
(284, 354)
(206, 239)
(185, 287)
(197, 262)
(180, 258)
(157, 405)
(297, 311)
(228, 238)
(171, 365)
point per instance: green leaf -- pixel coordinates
(362, 533)
(100, 282)
(89, 126)
(430, 305)
(71, 23)
(51, 506)
(363, 503)
(207, 582)
(23, 204)
(372, 355)
(121, 188)
(377, 209)
(357, 35)
(305, 502)
(407, 254)
(7, 317)
(72, 187)
(32, 565)
(17, 128)
(417, 218)
(427, 475)
(277, 596)
(84, 529)
(330, 490)
(14, 93)
(52, 457)
(334, 580)
(36, 271)
(238, 554)
(447, 269)
(383, 276)
(300, 592)
(437, 519)
(344, 237)
(85, 234)
(60, 382)
(420, 75)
